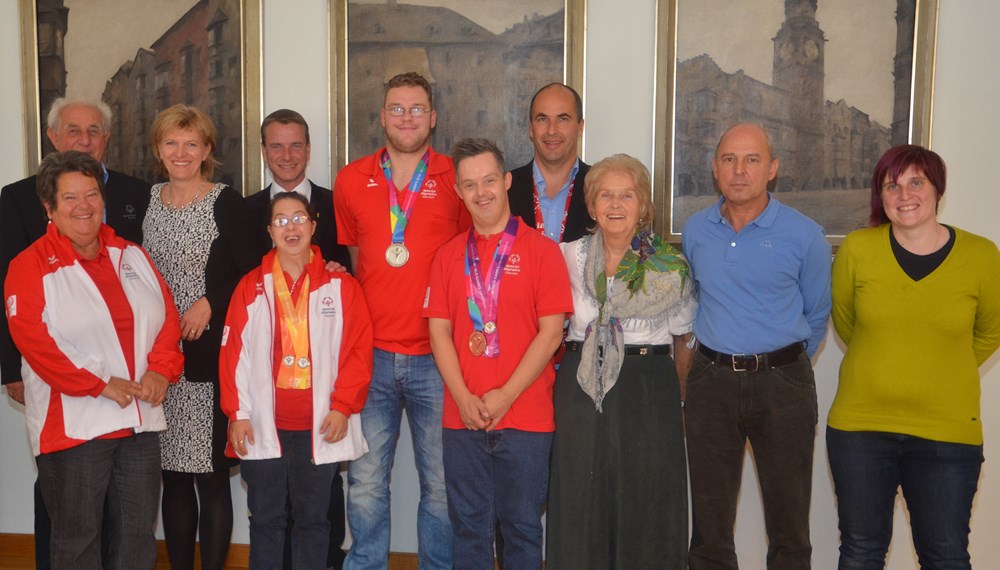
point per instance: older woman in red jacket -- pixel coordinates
(98, 334)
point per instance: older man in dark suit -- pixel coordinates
(72, 125)
(284, 141)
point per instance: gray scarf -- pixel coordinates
(648, 282)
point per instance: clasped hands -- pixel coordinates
(486, 412)
(151, 388)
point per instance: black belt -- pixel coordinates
(630, 350)
(754, 362)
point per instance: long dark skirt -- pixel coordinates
(618, 479)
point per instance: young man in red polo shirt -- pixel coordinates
(394, 209)
(496, 303)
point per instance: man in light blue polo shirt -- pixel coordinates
(763, 274)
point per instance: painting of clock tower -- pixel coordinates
(798, 70)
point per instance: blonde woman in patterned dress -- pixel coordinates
(197, 233)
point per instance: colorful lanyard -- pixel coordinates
(398, 217)
(483, 295)
(295, 372)
(540, 221)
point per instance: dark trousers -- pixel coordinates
(273, 483)
(338, 529)
(775, 410)
(939, 482)
(43, 532)
(75, 484)
(496, 475)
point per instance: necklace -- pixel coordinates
(168, 198)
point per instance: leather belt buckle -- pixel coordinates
(746, 362)
(643, 351)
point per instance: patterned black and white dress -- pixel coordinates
(184, 243)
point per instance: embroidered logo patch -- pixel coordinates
(328, 310)
(11, 306)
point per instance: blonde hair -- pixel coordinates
(624, 164)
(186, 117)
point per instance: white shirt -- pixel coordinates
(304, 188)
(679, 321)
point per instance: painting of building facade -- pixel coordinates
(190, 51)
(484, 59)
(828, 126)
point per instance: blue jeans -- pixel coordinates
(77, 481)
(273, 483)
(399, 381)
(939, 482)
(496, 476)
(776, 411)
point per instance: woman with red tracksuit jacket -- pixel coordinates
(98, 333)
(295, 365)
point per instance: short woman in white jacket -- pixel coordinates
(295, 364)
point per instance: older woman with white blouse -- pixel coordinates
(618, 483)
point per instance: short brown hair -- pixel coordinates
(468, 148)
(285, 117)
(410, 79)
(186, 117)
(58, 163)
(624, 164)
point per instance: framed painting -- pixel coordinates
(140, 57)
(484, 58)
(835, 85)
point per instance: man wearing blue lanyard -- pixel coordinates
(394, 210)
(547, 193)
(72, 125)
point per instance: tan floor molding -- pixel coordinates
(17, 552)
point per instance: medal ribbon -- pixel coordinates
(540, 221)
(483, 296)
(398, 216)
(294, 323)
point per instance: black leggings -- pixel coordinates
(181, 521)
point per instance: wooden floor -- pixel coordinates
(17, 552)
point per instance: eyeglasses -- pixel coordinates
(297, 219)
(399, 111)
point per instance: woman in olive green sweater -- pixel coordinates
(918, 305)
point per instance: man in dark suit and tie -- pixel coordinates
(284, 141)
(72, 125)
(547, 193)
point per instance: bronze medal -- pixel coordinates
(397, 255)
(477, 343)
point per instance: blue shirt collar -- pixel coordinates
(540, 180)
(764, 220)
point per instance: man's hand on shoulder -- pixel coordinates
(334, 267)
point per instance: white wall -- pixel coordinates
(619, 82)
